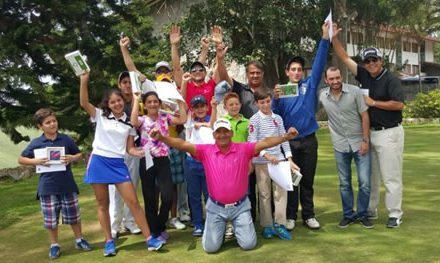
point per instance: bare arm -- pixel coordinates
(128, 61)
(365, 133)
(32, 161)
(182, 116)
(341, 53)
(84, 95)
(390, 105)
(131, 148)
(185, 79)
(272, 141)
(220, 71)
(175, 54)
(135, 111)
(70, 158)
(213, 112)
(203, 57)
(174, 142)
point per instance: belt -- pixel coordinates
(379, 128)
(235, 204)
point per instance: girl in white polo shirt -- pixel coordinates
(106, 165)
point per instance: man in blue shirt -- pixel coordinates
(299, 112)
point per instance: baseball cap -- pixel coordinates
(163, 64)
(222, 123)
(371, 52)
(198, 99)
(196, 63)
(123, 74)
(221, 89)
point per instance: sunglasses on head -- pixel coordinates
(197, 70)
(369, 60)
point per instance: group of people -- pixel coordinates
(225, 157)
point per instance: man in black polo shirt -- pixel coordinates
(385, 99)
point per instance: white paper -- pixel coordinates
(77, 62)
(135, 82)
(167, 91)
(330, 24)
(148, 159)
(281, 174)
(42, 153)
(202, 135)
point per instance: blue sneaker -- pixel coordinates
(54, 252)
(109, 248)
(282, 232)
(198, 231)
(268, 232)
(83, 245)
(154, 244)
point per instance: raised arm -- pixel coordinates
(174, 142)
(175, 54)
(341, 53)
(272, 141)
(84, 95)
(182, 116)
(213, 118)
(135, 112)
(204, 50)
(186, 77)
(220, 71)
(128, 61)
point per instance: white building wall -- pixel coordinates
(429, 51)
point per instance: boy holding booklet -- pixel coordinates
(264, 124)
(57, 191)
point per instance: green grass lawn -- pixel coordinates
(23, 239)
(9, 151)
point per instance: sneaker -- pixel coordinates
(229, 233)
(83, 245)
(54, 252)
(154, 244)
(109, 248)
(312, 223)
(366, 223)
(175, 223)
(282, 232)
(268, 232)
(345, 222)
(394, 222)
(184, 217)
(290, 225)
(198, 231)
(133, 229)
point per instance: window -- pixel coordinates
(415, 48)
(415, 69)
(407, 46)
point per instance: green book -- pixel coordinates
(77, 62)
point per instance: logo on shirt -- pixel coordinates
(303, 89)
(251, 128)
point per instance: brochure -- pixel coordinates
(289, 90)
(42, 153)
(135, 82)
(77, 62)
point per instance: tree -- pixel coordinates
(269, 31)
(35, 36)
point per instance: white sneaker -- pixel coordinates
(175, 223)
(133, 229)
(312, 223)
(290, 224)
(229, 233)
(184, 217)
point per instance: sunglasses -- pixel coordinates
(162, 71)
(369, 60)
(197, 70)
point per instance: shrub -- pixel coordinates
(425, 105)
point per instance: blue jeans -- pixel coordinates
(363, 167)
(216, 218)
(196, 183)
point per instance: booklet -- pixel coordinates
(77, 62)
(289, 90)
(42, 153)
(54, 154)
(135, 82)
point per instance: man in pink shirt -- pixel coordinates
(227, 168)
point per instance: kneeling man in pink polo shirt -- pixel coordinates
(227, 168)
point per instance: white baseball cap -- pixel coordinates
(222, 123)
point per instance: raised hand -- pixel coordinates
(221, 50)
(186, 77)
(217, 34)
(204, 42)
(277, 92)
(175, 35)
(124, 42)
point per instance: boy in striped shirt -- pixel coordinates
(265, 124)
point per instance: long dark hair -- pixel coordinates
(104, 102)
(146, 95)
